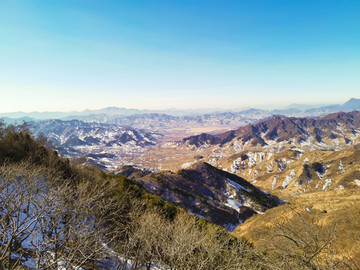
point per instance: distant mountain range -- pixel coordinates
(334, 132)
(326, 132)
(115, 114)
(106, 145)
(109, 111)
(109, 139)
(115, 141)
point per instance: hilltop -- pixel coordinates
(220, 197)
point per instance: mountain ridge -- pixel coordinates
(351, 104)
(282, 128)
(219, 196)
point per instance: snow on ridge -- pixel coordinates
(327, 184)
(237, 186)
(188, 164)
(233, 204)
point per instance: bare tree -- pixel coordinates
(48, 222)
(183, 243)
(44, 225)
(300, 240)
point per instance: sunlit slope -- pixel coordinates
(292, 172)
(277, 134)
(309, 222)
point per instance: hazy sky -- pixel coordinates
(73, 55)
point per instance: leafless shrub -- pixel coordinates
(300, 240)
(45, 225)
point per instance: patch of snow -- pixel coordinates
(196, 214)
(327, 184)
(252, 159)
(340, 187)
(299, 191)
(282, 164)
(261, 156)
(341, 167)
(238, 148)
(237, 186)
(235, 167)
(355, 136)
(273, 184)
(338, 127)
(288, 179)
(233, 204)
(187, 164)
(357, 182)
(270, 167)
(321, 175)
(170, 145)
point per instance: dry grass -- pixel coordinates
(326, 213)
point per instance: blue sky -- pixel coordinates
(73, 55)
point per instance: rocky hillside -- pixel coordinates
(334, 132)
(221, 197)
(292, 172)
(278, 132)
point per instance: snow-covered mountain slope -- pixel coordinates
(107, 145)
(276, 133)
(221, 197)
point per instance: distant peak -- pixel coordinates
(352, 102)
